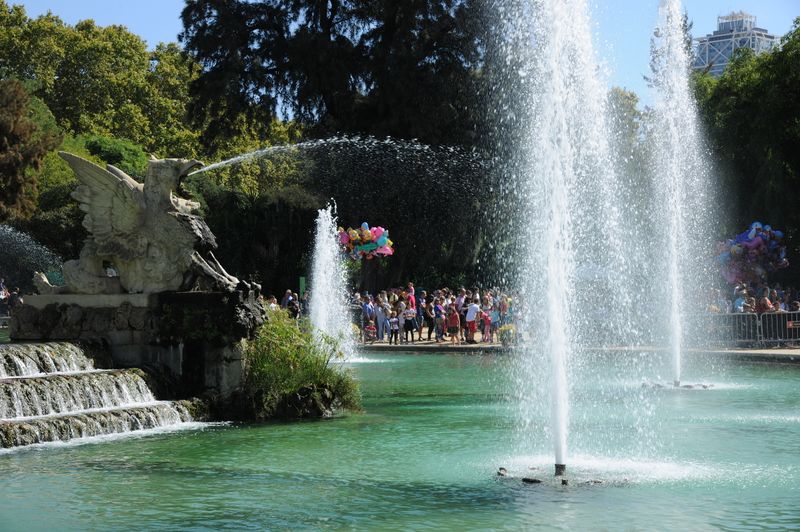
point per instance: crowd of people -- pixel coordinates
(754, 299)
(291, 302)
(9, 299)
(406, 315)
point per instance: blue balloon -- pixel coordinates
(382, 240)
(365, 226)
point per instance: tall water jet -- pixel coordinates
(567, 186)
(328, 307)
(680, 172)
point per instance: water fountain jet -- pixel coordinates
(328, 307)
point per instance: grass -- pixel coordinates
(285, 358)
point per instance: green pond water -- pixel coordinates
(425, 453)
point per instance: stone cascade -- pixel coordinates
(52, 392)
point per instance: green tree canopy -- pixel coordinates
(752, 113)
(25, 138)
(102, 80)
(406, 69)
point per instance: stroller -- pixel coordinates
(370, 333)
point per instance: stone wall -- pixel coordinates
(191, 338)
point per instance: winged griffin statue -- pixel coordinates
(142, 238)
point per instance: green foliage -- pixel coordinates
(751, 113)
(26, 135)
(124, 154)
(284, 357)
(102, 80)
(405, 69)
(507, 334)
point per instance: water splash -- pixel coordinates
(329, 310)
(22, 255)
(391, 147)
(681, 174)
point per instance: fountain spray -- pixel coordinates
(567, 183)
(681, 173)
(328, 302)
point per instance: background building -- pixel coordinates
(734, 31)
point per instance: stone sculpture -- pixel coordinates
(142, 238)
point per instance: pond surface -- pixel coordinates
(425, 455)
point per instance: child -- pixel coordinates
(487, 327)
(495, 314)
(453, 324)
(370, 332)
(394, 329)
(410, 323)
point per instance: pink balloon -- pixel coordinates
(344, 238)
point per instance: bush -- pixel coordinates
(122, 153)
(289, 374)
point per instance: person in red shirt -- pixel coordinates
(764, 305)
(487, 327)
(453, 324)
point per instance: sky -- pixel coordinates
(622, 28)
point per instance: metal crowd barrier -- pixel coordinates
(780, 327)
(743, 329)
(723, 330)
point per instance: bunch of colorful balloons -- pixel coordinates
(366, 242)
(752, 254)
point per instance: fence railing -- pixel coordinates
(743, 329)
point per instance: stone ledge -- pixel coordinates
(92, 301)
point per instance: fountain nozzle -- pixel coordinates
(561, 470)
(676, 384)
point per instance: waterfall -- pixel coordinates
(52, 392)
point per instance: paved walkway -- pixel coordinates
(431, 347)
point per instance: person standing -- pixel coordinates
(287, 296)
(380, 317)
(472, 314)
(421, 312)
(439, 316)
(394, 328)
(367, 312)
(14, 301)
(430, 318)
(453, 324)
(410, 323)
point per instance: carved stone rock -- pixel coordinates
(142, 238)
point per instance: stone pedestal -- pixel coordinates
(193, 337)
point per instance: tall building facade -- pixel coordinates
(734, 31)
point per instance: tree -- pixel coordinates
(23, 144)
(406, 69)
(751, 114)
(102, 80)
